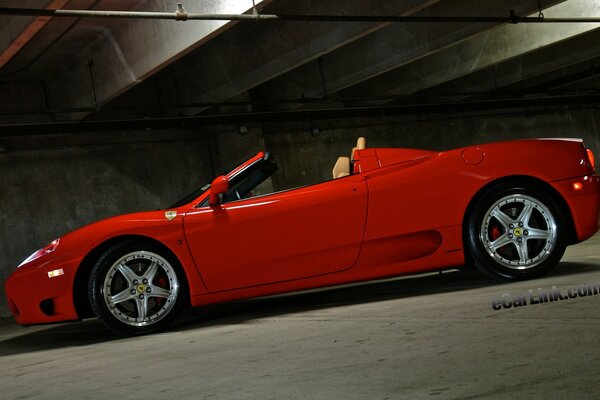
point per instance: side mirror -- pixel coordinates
(219, 186)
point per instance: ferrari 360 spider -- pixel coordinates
(509, 208)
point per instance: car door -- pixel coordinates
(283, 236)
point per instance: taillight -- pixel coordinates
(591, 159)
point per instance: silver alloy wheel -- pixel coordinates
(140, 288)
(518, 231)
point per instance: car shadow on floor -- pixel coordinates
(91, 331)
(360, 293)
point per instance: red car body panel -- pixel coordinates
(326, 240)
(400, 212)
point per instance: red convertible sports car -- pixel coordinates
(509, 208)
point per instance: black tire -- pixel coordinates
(516, 231)
(137, 288)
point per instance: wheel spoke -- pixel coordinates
(500, 242)
(142, 307)
(522, 251)
(157, 291)
(151, 271)
(526, 212)
(128, 273)
(538, 234)
(122, 296)
(504, 219)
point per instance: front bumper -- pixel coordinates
(36, 298)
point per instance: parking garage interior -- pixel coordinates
(106, 114)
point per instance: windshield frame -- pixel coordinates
(262, 163)
(197, 196)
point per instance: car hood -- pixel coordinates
(162, 225)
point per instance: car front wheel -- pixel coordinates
(135, 288)
(516, 232)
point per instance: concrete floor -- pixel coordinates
(430, 336)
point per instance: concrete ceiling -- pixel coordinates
(90, 69)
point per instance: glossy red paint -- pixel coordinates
(401, 211)
(252, 241)
(218, 187)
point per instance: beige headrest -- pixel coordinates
(361, 143)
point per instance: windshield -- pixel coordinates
(246, 183)
(238, 174)
(190, 197)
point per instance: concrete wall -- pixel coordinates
(51, 185)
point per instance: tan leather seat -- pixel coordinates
(341, 167)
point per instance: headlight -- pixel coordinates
(44, 250)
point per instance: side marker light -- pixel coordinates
(55, 273)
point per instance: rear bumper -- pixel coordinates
(36, 298)
(584, 203)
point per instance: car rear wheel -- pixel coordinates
(135, 288)
(516, 232)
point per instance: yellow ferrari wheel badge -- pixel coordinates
(141, 288)
(518, 232)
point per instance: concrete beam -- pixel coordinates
(57, 41)
(481, 51)
(251, 54)
(387, 49)
(121, 54)
(535, 69)
(15, 33)
(12, 27)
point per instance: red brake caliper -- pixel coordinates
(163, 283)
(495, 233)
